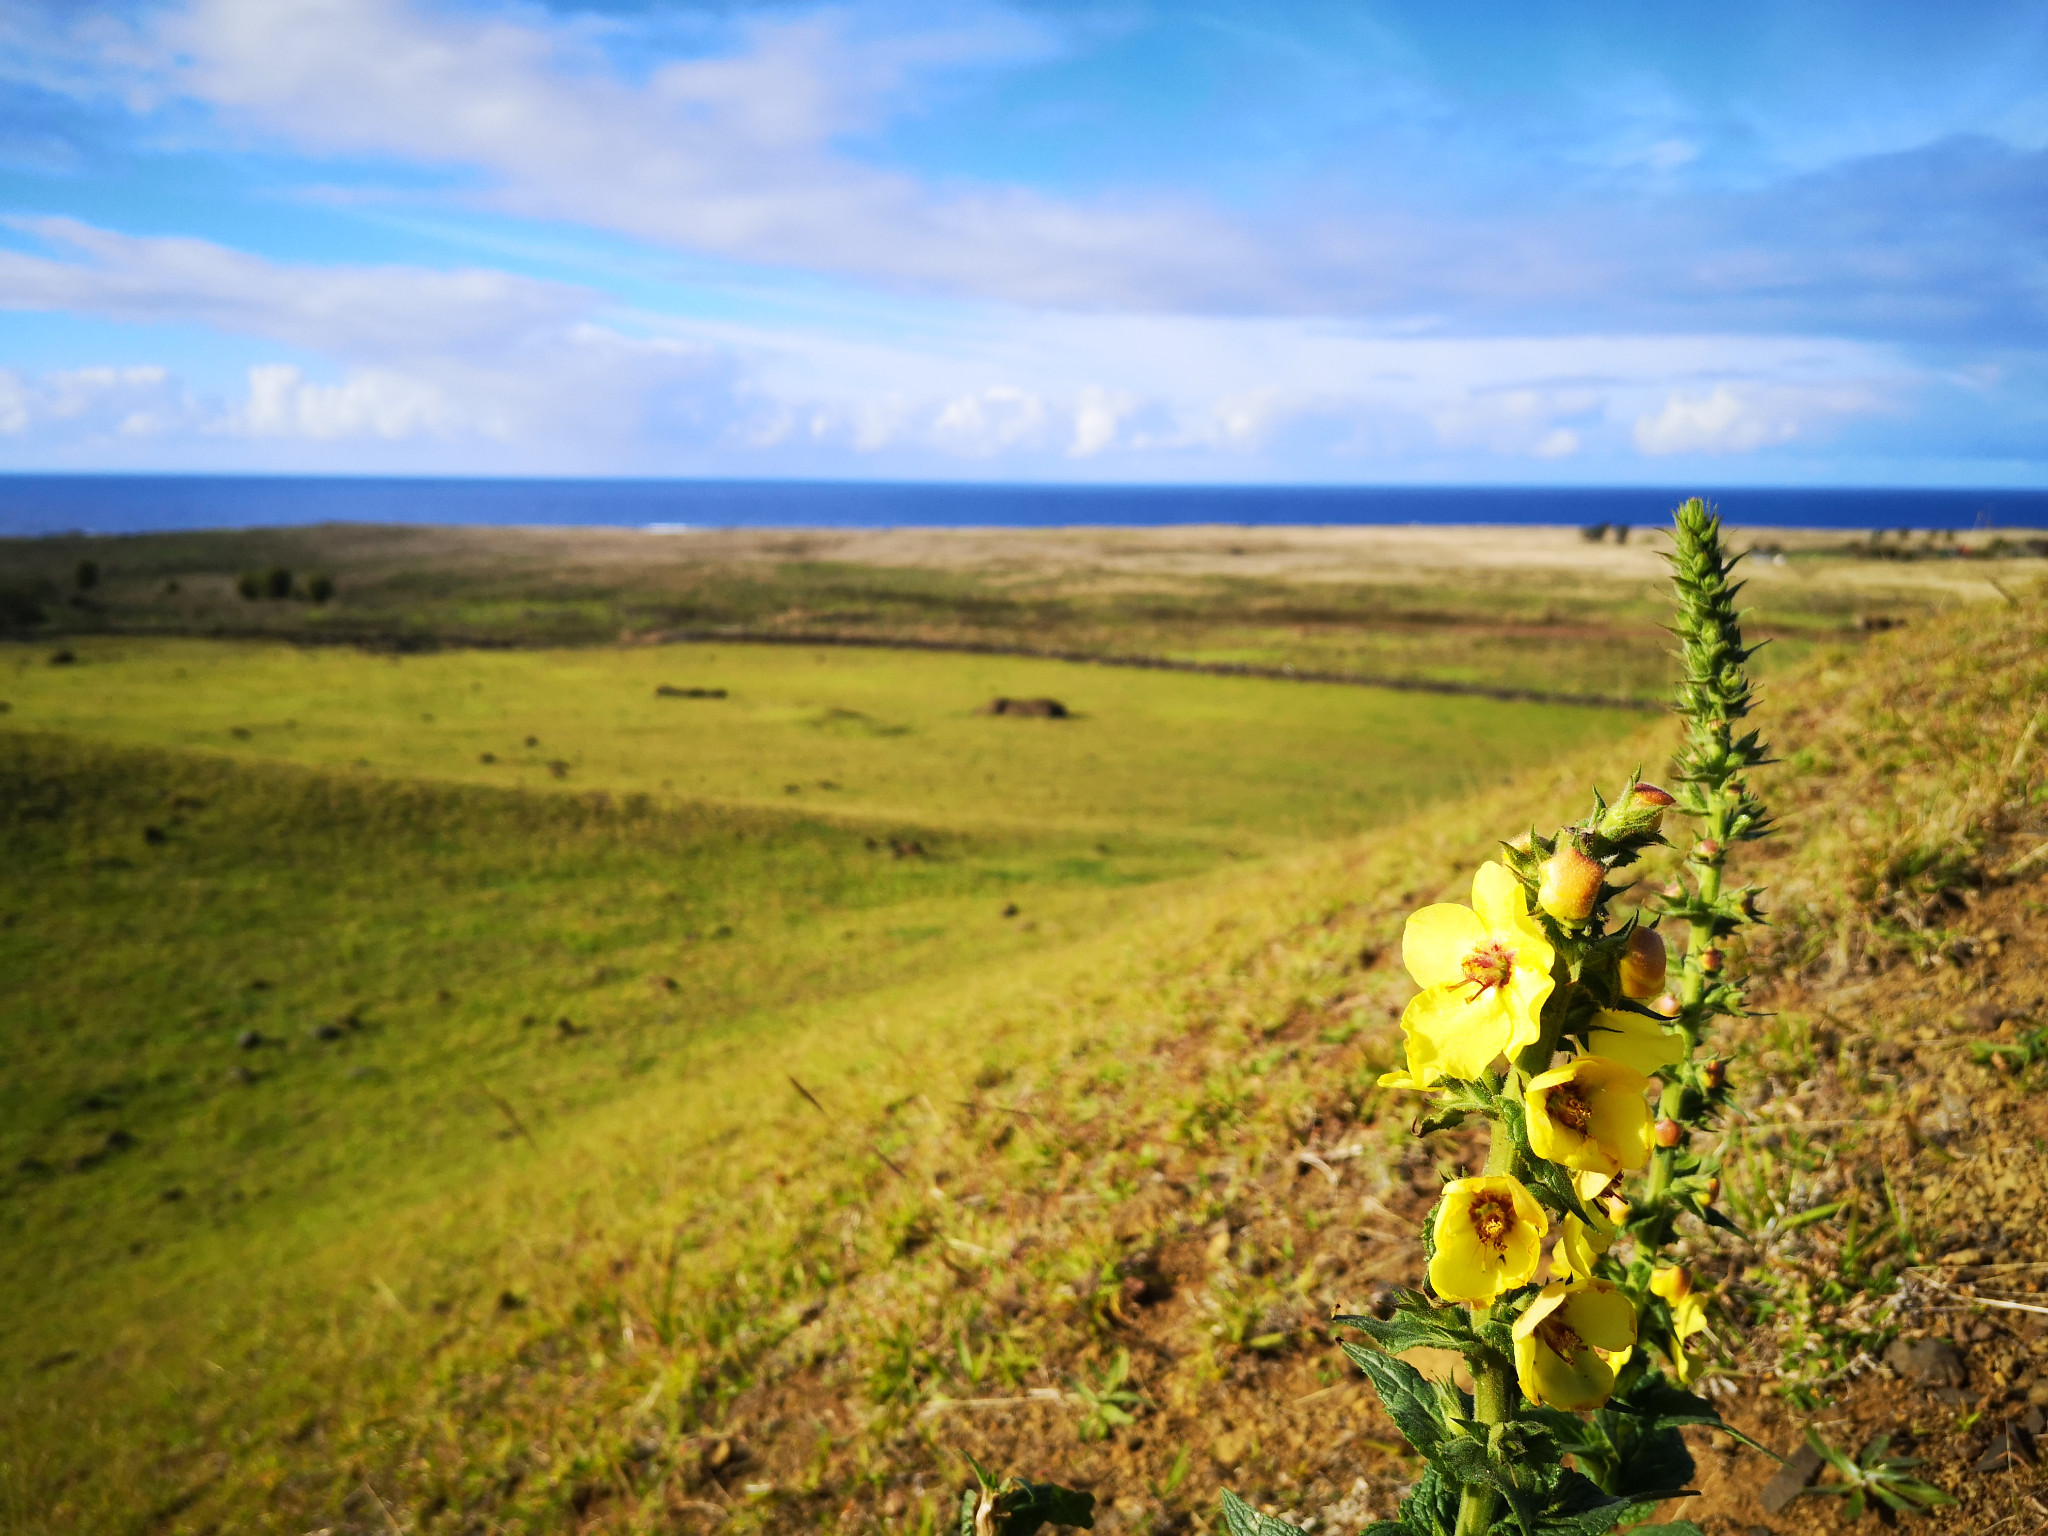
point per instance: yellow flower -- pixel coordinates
(1589, 1114)
(1570, 1340)
(1579, 1244)
(1485, 973)
(1635, 1041)
(1489, 1237)
(1688, 1313)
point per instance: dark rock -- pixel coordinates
(62, 659)
(1800, 1469)
(249, 1039)
(1933, 1361)
(2010, 1448)
(1030, 709)
(510, 1301)
(156, 837)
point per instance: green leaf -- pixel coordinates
(1407, 1397)
(1712, 1216)
(1416, 1323)
(1240, 1519)
(1666, 1405)
(1431, 1508)
(1657, 1465)
(1579, 1508)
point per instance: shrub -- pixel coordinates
(250, 585)
(87, 575)
(277, 583)
(320, 587)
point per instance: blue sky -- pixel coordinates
(1316, 243)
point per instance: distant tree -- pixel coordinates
(277, 582)
(250, 585)
(87, 575)
(320, 588)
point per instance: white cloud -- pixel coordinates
(101, 402)
(495, 372)
(368, 403)
(1742, 418)
(363, 311)
(738, 152)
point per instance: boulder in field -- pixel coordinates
(1031, 709)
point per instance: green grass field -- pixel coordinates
(285, 1051)
(393, 1139)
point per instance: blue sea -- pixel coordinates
(115, 504)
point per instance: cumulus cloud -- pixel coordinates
(509, 373)
(1742, 418)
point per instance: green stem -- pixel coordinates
(1490, 1406)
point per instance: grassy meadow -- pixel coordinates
(1541, 609)
(465, 1090)
(337, 972)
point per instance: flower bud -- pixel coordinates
(1668, 1132)
(1716, 1073)
(1638, 813)
(1713, 1192)
(1673, 891)
(1711, 961)
(1571, 884)
(1643, 964)
(1668, 1005)
(1672, 1284)
(1705, 851)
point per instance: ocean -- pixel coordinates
(115, 504)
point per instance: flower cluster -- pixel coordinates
(1550, 1015)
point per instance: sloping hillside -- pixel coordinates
(1084, 1219)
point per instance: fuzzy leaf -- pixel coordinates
(1431, 1508)
(1579, 1508)
(1240, 1519)
(1406, 1396)
(1413, 1327)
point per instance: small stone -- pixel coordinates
(1800, 1469)
(2010, 1448)
(1933, 1361)
(2037, 1394)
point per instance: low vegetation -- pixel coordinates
(1077, 1202)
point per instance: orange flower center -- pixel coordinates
(1490, 965)
(1569, 1107)
(1493, 1217)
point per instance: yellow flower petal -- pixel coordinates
(1489, 1238)
(1635, 1041)
(1569, 1341)
(1499, 899)
(1589, 1115)
(1451, 1034)
(1436, 941)
(1578, 1248)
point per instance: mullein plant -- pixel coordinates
(1548, 1014)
